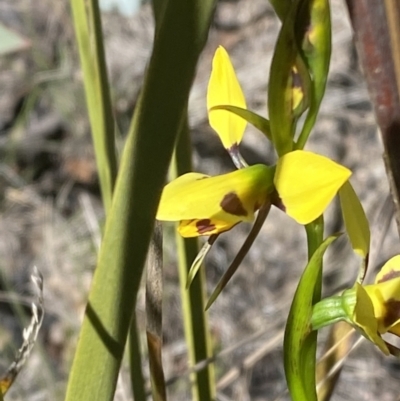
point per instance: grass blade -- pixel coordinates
(87, 23)
(158, 118)
(135, 362)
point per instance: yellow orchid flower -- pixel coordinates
(372, 309)
(302, 183)
(305, 182)
(210, 205)
(384, 295)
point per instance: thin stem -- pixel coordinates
(135, 362)
(315, 233)
(197, 332)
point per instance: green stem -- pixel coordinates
(197, 334)
(135, 362)
(315, 237)
(327, 311)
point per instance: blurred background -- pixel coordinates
(51, 215)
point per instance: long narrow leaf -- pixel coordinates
(87, 23)
(298, 342)
(158, 117)
(135, 361)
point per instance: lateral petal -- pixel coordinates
(307, 182)
(207, 205)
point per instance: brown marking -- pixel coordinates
(277, 201)
(234, 148)
(204, 226)
(296, 79)
(233, 205)
(389, 276)
(392, 312)
(257, 206)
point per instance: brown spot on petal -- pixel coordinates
(233, 205)
(204, 226)
(296, 79)
(389, 276)
(392, 312)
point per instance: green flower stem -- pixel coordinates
(315, 236)
(197, 334)
(331, 310)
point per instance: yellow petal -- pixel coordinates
(307, 182)
(390, 270)
(364, 318)
(385, 297)
(356, 223)
(224, 89)
(196, 227)
(207, 205)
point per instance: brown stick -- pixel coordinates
(376, 40)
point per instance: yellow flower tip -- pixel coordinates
(209, 205)
(307, 182)
(389, 271)
(224, 89)
(356, 223)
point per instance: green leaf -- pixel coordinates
(88, 31)
(180, 38)
(256, 120)
(298, 343)
(280, 95)
(313, 25)
(281, 7)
